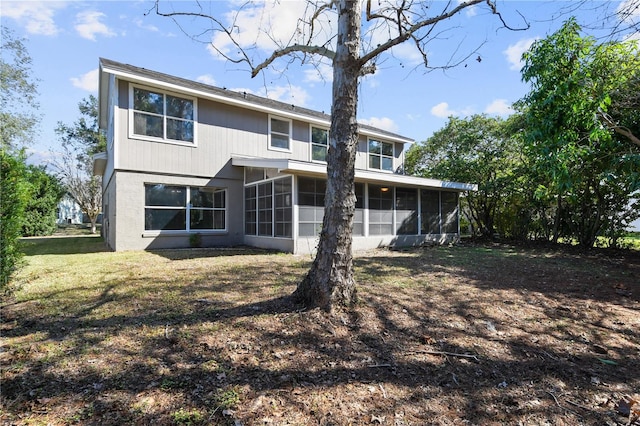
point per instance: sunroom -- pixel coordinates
(284, 206)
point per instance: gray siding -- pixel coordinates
(222, 131)
(129, 191)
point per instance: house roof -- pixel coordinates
(316, 169)
(241, 99)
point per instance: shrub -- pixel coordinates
(14, 193)
(40, 211)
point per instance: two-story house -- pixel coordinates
(185, 158)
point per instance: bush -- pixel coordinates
(40, 211)
(14, 193)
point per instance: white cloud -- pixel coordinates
(140, 24)
(442, 110)
(87, 81)
(514, 52)
(499, 107)
(35, 16)
(322, 73)
(269, 24)
(383, 123)
(88, 25)
(633, 37)
(629, 12)
(471, 11)
(206, 79)
(294, 95)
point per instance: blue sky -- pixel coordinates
(66, 38)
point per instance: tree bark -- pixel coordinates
(330, 280)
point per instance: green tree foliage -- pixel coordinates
(581, 160)
(14, 193)
(18, 118)
(18, 94)
(84, 133)
(482, 150)
(80, 142)
(45, 192)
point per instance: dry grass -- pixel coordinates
(485, 335)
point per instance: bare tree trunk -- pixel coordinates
(330, 280)
(556, 221)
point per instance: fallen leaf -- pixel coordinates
(607, 361)
(375, 418)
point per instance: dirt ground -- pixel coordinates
(467, 335)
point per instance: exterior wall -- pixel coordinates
(221, 131)
(271, 243)
(69, 211)
(129, 191)
(309, 246)
(109, 204)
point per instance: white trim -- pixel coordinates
(131, 111)
(294, 167)
(188, 207)
(381, 156)
(289, 135)
(311, 144)
(244, 104)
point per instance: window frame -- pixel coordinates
(272, 132)
(380, 155)
(188, 208)
(268, 213)
(164, 139)
(313, 144)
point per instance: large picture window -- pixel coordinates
(167, 209)
(380, 155)
(319, 144)
(158, 115)
(279, 134)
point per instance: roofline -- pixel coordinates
(301, 167)
(117, 70)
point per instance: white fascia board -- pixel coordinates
(222, 99)
(385, 137)
(103, 88)
(295, 167)
(247, 105)
(416, 181)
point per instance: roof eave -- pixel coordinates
(300, 167)
(142, 79)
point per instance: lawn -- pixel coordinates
(470, 334)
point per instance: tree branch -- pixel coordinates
(302, 48)
(621, 130)
(405, 33)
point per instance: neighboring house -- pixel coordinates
(187, 158)
(69, 211)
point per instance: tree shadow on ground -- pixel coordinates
(63, 245)
(438, 337)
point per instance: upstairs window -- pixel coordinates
(380, 155)
(279, 134)
(161, 116)
(319, 144)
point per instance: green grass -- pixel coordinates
(183, 336)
